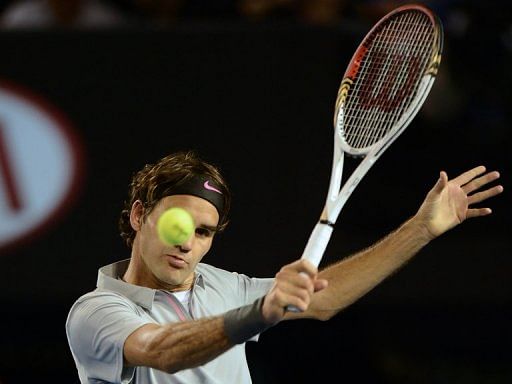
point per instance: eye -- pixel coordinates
(204, 232)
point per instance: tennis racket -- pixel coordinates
(384, 86)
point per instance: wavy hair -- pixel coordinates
(154, 182)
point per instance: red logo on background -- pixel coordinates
(40, 164)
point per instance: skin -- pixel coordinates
(319, 295)
(156, 265)
(448, 204)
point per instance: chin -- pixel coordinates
(174, 278)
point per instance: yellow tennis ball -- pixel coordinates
(175, 226)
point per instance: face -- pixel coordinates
(161, 266)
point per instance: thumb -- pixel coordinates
(441, 182)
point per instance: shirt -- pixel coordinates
(100, 321)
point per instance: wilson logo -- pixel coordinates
(389, 80)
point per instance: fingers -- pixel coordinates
(294, 286)
(476, 212)
(484, 195)
(467, 176)
(479, 182)
(301, 266)
(470, 182)
(481, 196)
(291, 293)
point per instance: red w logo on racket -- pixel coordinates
(389, 82)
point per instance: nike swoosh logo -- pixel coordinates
(210, 188)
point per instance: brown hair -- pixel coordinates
(155, 181)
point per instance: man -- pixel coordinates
(164, 317)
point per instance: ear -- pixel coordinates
(137, 215)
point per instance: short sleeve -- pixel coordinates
(97, 327)
(252, 288)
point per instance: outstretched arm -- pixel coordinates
(447, 204)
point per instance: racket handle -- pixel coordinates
(315, 249)
(317, 243)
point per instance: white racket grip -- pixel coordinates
(315, 249)
(317, 243)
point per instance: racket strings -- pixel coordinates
(388, 85)
(378, 123)
(367, 132)
(388, 78)
(395, 84)
(371, 118)
(407, 77)
(384, 83)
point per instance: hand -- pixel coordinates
(294, 285)
(448, 202)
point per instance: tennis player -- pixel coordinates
(162, 316)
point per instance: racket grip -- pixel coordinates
(317, 243)
(314, 250)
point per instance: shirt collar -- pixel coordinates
(109, 278)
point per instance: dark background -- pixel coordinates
(255, 96)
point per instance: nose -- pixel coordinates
(187, 245)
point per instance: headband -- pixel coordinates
(203, 187)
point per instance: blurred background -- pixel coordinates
(92, 90)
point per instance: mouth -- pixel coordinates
(176, 261)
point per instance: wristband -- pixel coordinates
(240, 324)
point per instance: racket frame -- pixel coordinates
(337, 198)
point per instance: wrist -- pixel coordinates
(420, 228)
(240, 324)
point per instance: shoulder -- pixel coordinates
(102, 318)
(100, 297)
(216, 276)
(208, 270)
(96, 306)
(237, 282)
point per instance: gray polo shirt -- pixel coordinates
(100, 321)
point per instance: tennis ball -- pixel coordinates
(175, 226)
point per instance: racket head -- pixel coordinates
(388, 78)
